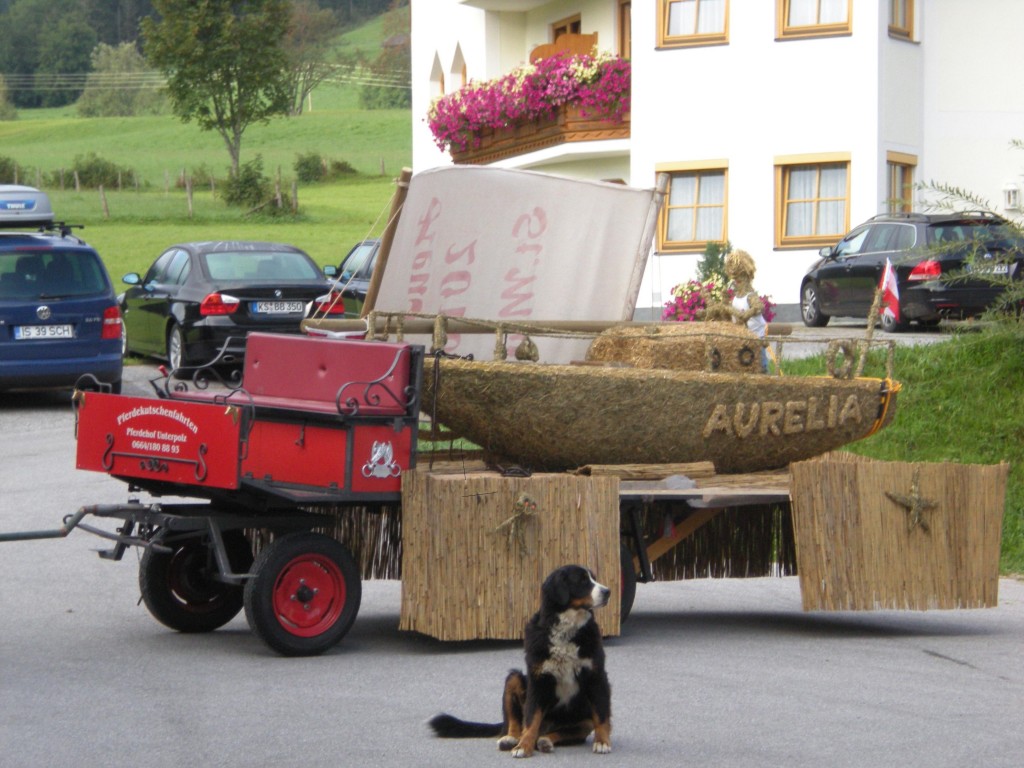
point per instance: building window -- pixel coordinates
(812, 201)
(812, 18)
(694, 212)
(625, 29)
(900, 187)
(570, 26)
(692, 22)
(901, 19)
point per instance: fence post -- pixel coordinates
(103, 199)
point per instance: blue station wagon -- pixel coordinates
(59, 317)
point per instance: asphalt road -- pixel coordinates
(706, 673)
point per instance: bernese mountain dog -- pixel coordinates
(564, 694)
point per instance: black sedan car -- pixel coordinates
(354, 274)
(944, 264)
(199, 300)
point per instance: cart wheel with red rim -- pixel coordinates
(304, 594)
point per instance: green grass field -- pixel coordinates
(144, 219)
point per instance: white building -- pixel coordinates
(783, 123)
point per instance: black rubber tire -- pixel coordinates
(304, 594)
(178, 591)
(810, 307)
(627, 584)
(176, 357)
(889, 325)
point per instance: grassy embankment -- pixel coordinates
(961, 401)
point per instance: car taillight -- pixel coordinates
(218, 304)
(111, 323)
(929, 269)
(329, 304)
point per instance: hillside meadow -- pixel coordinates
(150, 211)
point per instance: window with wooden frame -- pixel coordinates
(812, 200)
(684, 23)
(900, 187)
(570, 26)
(695, 211)
(813, 18)
(625, 29)
(901, 19)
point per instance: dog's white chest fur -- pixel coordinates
(564, 662)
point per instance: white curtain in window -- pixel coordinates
(682, 197)
(800, 212)
(683, 190)
(712, 202)
(832, 210)
(680, 226)
(809, 13)
(696, 17)
(833, 11)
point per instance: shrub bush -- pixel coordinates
(250, 187)
(310, 168)
(94, 171)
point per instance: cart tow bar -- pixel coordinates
(70, 523)
(75, 521)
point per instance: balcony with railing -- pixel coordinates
(562, 97)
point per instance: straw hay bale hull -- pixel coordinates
(558, 417)
(887, 535)
(711, 346)
(473, 563)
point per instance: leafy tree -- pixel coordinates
(117, 21)
(114, 88)
(308, 44)
(225, 64)
(51, 47)
(392, 69)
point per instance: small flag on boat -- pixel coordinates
(890, 292)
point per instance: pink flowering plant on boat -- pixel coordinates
(598, 84)
(689, 299)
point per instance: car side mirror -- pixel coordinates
(825, 252)
(132, 278)
(330, 270)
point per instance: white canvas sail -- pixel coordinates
(513, 246)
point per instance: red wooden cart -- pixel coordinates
(314, 423)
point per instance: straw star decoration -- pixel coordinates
(515, 527)
(915, 504)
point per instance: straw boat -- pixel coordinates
(557, 417)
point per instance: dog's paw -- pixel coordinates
(544, 744)
(505, 743)
(602, 748)
(518, 752)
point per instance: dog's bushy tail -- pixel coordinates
(449, 727)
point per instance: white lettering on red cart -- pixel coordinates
(151, 439)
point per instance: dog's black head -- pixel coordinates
(572, 586)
